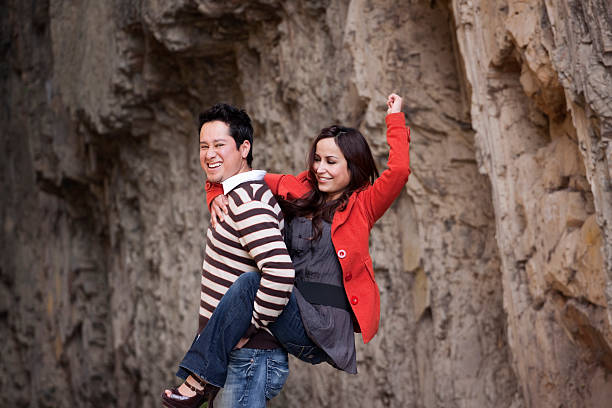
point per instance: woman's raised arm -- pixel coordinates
(379, 197)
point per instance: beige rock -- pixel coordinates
(541, 201)
(495, 263)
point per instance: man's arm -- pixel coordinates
(259, 229)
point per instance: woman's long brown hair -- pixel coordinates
(361, 168)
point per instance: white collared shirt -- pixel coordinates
(234, 181)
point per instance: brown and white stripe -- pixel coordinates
(249, 239)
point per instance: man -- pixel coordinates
(248, 239)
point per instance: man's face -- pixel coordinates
(219, 156)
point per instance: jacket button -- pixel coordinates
(354, 300)
(348, 277)
(341, 253)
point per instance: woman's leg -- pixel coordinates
(208, 355)
(290, 332)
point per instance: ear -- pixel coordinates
(244, 148)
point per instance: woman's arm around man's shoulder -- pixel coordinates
(283, 185)
(288, 185)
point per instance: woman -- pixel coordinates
(329, 211)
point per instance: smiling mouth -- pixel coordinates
(214, 165)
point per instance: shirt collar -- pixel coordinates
(234, 181)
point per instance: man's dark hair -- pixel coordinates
(238, 120)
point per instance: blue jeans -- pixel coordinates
(253, 377)
(209, 355)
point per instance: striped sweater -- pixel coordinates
(249, 239)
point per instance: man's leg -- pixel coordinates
(253, 377)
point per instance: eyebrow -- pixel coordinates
(214, 141)
(328, 156)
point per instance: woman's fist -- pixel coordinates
(394, 103)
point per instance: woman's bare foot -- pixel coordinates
(185, 390)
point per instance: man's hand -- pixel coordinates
(394, 103)
(241, 343)
(218, 209)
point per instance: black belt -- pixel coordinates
(318, 293)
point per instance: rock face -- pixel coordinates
(495, 264)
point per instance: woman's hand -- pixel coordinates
(394, 103)
(218, 209)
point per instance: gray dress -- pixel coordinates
(331, 328)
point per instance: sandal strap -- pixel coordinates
(201, 382)
(178, 400)
(194, 389)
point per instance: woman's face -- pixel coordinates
(330, 168)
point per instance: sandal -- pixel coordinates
(178, 400)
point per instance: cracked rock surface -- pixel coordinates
(494, 265)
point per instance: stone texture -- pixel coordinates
(550, 177)
(495, 264)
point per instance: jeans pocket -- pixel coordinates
(277, 371)
(239, 361)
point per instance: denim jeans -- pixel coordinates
(209, 355)
(253, 377)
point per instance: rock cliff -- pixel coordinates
(495, 264)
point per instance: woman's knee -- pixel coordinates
(247, 282)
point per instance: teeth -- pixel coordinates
(214, 166)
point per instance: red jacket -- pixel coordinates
(351, 228)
